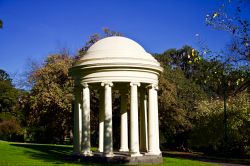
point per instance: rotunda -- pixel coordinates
(120, 63)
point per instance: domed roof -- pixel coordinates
(116, 46)
(116, 43)
(117, 51)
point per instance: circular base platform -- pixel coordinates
(119, 158)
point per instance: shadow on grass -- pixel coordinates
(54, 154)
(59, 154)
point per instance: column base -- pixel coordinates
(111, 154)
(135, 154)
(153, 153)
(123, 150)
(100, 150)
(87, 153)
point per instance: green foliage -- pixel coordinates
(48, 106)
(183, 87)
(209, 131)
(8, 96)
(10, 124)
(4, 76)
(177, 99)
(230, 75)
(214, 76)
(1, 24)
(8, 93)
(10, 130)
(185, 59)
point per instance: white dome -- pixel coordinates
(119, 59)
(116, 43)
(117, 50)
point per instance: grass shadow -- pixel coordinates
(54, 154)
(62, 154)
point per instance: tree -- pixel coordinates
(178, 96)
(10, 127)
(207, 133)
(1, 23)
(4, 76)
(222, 82)
(10, 130)
(238, 53)
(220, 79)
(8, 93)
(230, 17)
(185, 59)
(48, 106)
(189, 80)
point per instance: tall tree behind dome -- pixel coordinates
(232, 16)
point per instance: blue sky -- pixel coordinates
(34, 29)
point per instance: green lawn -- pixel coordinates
(47, 154)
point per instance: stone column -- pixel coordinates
(108, 139)
(86, 120)
(101, 120)
(124, 121)
(134, 131)
(157, 122)
(143, 121)
(77, 137)
(153, 125)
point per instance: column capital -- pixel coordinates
(110, 84)
(153, 86)
(135, 84)
(84, 85)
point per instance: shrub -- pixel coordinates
(10, 130)
(208, 133)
